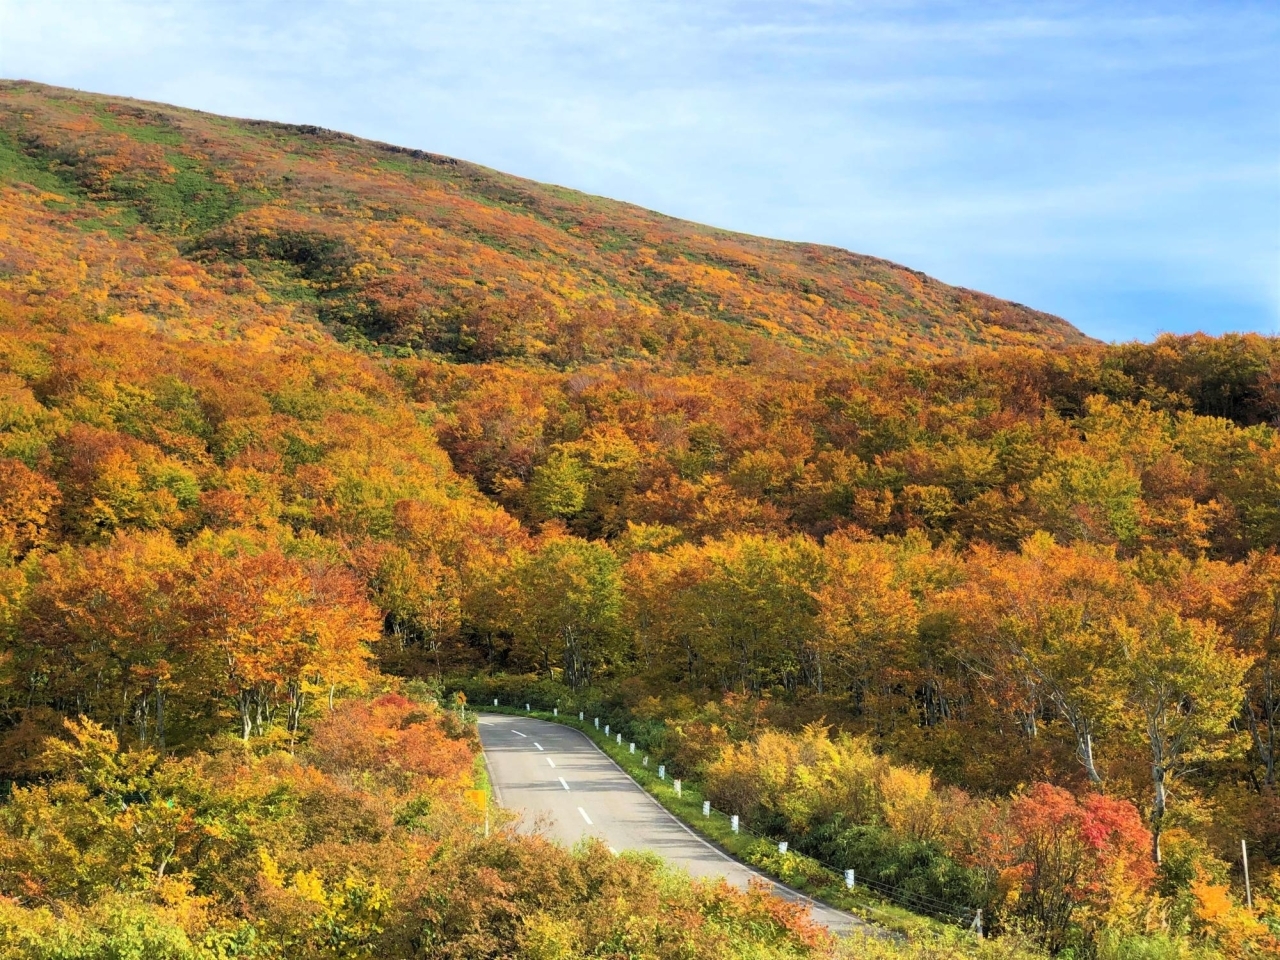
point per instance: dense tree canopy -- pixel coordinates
(284, 415)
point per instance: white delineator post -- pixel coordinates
(597, 723)
(662, 771)
(849, 878)
(619, 739)
(495, 701)
(733, 823)
(706, 808)
(782, 846)
(526, 708)
(676, 784)
(633, 748)
(1244, 859)
(581, 716)
(555, 711)
(606, 729)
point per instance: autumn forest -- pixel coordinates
(309, 444)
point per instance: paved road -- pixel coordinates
(564, 785)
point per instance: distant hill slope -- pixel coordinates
(210, 226)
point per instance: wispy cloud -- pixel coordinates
(1116, 162)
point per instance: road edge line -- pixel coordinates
(723, 854)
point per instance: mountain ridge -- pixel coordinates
(259, 223)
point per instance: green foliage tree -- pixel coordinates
(1183, 686)
(558, 488)
(568, 608)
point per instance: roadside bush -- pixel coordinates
(919, 870)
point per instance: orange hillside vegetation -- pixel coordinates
(209, 226)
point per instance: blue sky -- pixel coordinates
(1115, 163)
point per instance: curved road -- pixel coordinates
(566, 787)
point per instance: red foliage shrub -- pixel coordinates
(1070, 860)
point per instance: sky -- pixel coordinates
(1115, 163)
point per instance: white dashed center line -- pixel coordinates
(563, 784)
(538, 745)
(550, 761)
(519, 734)
(584, 816)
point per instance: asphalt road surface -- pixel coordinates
(563, 785)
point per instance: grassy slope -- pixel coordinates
(211, 224)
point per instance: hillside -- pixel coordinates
(206, 225)
(302, 436)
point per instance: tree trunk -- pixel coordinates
(294, 718)
(1157, 809)
(1082, 727)
(1084, 750)
(160, 730)
(245, 701)
(572, 658)
(1264, 732)
(297, 699)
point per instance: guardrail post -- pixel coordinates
(662, 771)
(597, 723)
(619, 739)
(676, 784)
(526, 708)
(555, 711)
(733, 823)
(782, 846)
(495, 701)
(606, 729)
(706, 808)
(581, 716)
(849, 879)
(633, 748)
